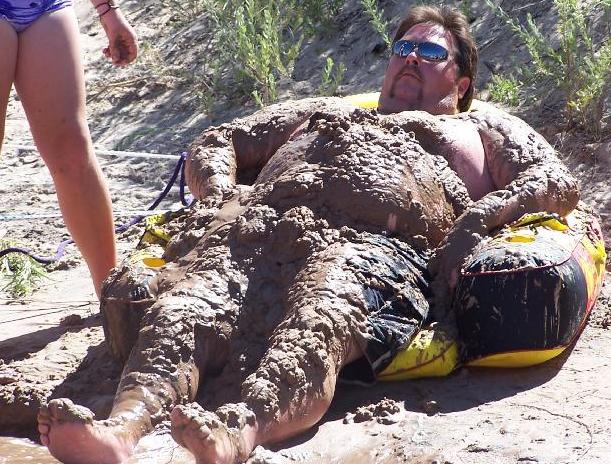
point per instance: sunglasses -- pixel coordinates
(427, 50)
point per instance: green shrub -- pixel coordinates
(186, 11)
(19, 273)
(256, 42)
(332, 77)
(577, 66)
(504, 90)
(376, 18)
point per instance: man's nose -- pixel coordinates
(412, 59)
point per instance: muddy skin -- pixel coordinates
(529, 177)
(271, 292)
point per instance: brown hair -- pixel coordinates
(455, 22)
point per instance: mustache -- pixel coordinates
(412, 70)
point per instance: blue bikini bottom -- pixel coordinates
(21, 13)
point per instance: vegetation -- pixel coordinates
(576, 65)
(19, 273)
(466, 8)
(256, 42)
(376, 18)
(332, 77)
(252, 45)
(504, 90)
(185, 11)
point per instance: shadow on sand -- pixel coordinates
(464, 389)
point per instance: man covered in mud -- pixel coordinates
(312, 253)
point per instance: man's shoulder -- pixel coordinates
(370, 100)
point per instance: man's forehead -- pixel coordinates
(432, 32)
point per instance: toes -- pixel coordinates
(43, 428)
(205, 435)
(177, 414)
(64, 410)
(181, 416)
(186, 415)
(188, 424)
(56, 408)
(178, 422)
(43, 415)
(44, 422)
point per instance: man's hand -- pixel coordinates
(122, 42)
(449, 258)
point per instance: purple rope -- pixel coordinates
(41, 259)
(178, 169)
(168, 186)
(186, 201)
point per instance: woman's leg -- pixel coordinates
(8, 60)
(50, 81)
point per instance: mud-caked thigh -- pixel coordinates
(370, 290)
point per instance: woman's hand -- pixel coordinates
(122, 42)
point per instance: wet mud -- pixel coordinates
(333, 186)
(261, 297)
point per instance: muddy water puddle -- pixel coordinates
(22, 451)
(153, 449)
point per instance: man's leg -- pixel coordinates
(154, 379)
(50, 81)
(163, 369)
(295, 382)
(8, 60)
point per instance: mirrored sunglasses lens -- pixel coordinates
(403, 48)
(432, 51)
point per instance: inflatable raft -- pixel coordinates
(523, 297)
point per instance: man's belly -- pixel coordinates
(354, 172)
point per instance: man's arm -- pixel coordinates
(529, 177)
(237, 151)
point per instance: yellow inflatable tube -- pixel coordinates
(513, 340)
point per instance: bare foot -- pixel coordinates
(210, 440)
(73, 437)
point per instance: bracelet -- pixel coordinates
(110, 5)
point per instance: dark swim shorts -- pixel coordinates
(396, 289)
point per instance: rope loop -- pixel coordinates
(186, 201)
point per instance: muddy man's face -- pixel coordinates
(414, 82)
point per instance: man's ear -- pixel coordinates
(463, 84)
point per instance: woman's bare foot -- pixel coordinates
(209, 439)
(73, 437)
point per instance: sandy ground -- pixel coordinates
(555, 413)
